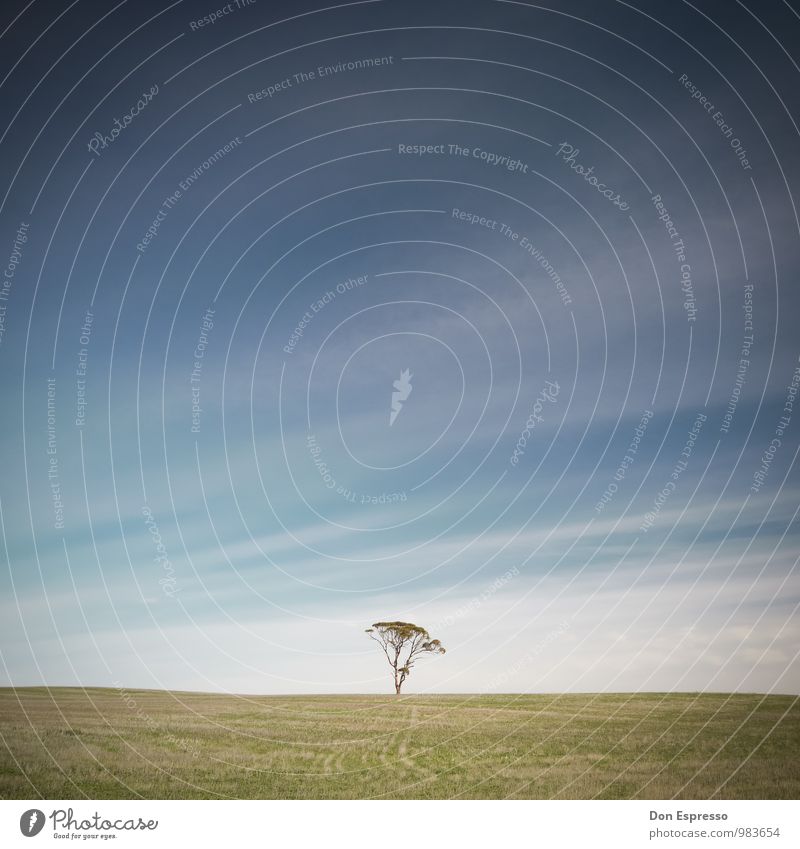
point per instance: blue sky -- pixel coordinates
(272, 564)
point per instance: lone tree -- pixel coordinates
(397, 638)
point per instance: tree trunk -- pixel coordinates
(397, 686)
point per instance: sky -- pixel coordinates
(476, 315)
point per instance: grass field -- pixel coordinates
(107, 744)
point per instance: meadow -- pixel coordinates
(69, 743)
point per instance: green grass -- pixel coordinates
(107, 744)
